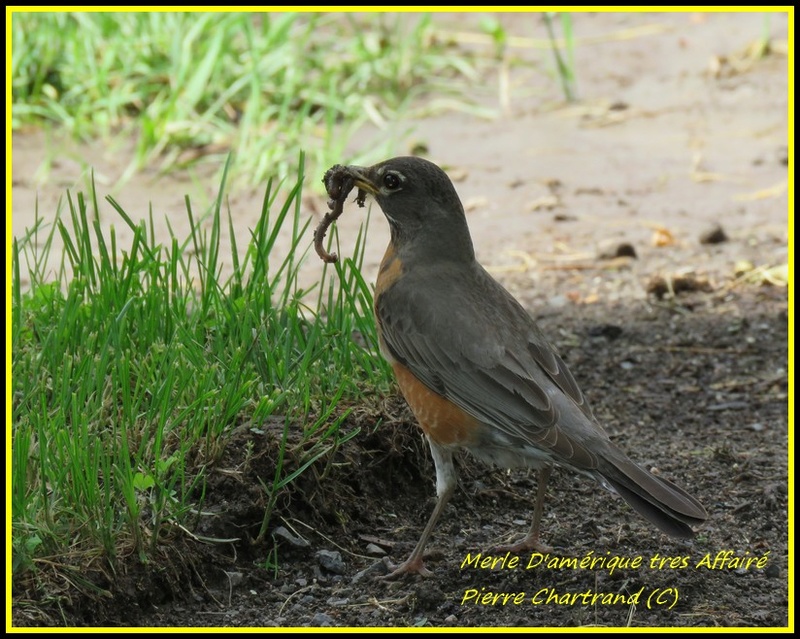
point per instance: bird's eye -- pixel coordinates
(391, 181)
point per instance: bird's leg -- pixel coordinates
(445, 485)
(531, 540)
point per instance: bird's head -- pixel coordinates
(420, 203)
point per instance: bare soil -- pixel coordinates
(682, 351)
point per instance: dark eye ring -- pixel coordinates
(391, 181)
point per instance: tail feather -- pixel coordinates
(658, 500)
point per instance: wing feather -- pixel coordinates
(485, 354)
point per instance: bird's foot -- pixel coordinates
(525, 544)
(411, 566)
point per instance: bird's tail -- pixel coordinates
(658, 500)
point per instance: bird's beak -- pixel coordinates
(360, 176)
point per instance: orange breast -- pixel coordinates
(444, 422)
(391, 269)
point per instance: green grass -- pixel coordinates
(188, 85)
(565, 65)
(131, 369)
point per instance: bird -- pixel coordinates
(476, 370)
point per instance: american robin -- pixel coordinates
(475, 368)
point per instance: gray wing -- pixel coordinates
(470, 341)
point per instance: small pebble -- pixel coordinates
(330, 560)
(235, 578)
(284, 534)
(340, 601)
(610, 249)
(772, 571)
(380, 567)
(321, 619)
(609, 331)
(714, 235)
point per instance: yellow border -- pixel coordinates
(414, 9)
(790, 218)
(9, 232)
(9, 164)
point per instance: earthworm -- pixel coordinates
(338, 183)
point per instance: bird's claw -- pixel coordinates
(408, 567)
